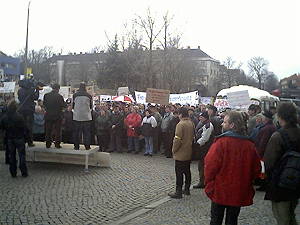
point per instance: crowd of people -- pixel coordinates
(230, 145)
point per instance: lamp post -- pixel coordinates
(26, 46)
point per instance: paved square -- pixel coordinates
(65, 194)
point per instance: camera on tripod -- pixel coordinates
(30, 83)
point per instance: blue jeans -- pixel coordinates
(13, 146)
(133, 144)
(148, 145)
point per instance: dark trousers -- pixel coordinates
(217, 214)
(67, 136)
(103, 141)
(39, 137)
(13, 146)
(115, 141)
(183, 168)
(201, 170)
(28, 118)
(167, 143)
(133, 144)
(53, 130)
(82, 128)
(156, 139)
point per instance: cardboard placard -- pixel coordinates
(158, 96)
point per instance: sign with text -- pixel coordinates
(8, 87)
(190, 98)
(123, 91)
(221, 104)
(158, 96)
(239, 99)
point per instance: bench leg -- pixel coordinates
(86, 163)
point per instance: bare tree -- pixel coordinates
(258, 69)
(152, 30)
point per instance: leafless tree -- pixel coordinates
(258, 69)
(152, 29)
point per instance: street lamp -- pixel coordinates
(26, 46)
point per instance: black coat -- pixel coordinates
(54, 104)
(273, 154)
(14, 126)
(27, 96)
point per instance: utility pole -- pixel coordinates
(26, 46)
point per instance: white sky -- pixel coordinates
(240, 29)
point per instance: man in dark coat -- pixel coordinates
(117, 122)
(54, 104)
(17, 134)
(27, 95)
(284, 201)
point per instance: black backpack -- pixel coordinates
(287, 172)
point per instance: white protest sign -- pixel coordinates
(123, 91)
(205, 100)
(239, 99)
(190, 98)
(221, 104)
(65, 91)
(140, 97)
(45, 90)
(8, 87)
(105, 98)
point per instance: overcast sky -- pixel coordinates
(240, 29)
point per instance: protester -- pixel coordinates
(103, 126)
(214, 119)
(166, 138)
(54, 104)
(38, 129)
(182, 153)
(148, 125)
(133, 123)
(253, 111)
(116, 134)
(27, 95)
(17, 134)
(171, 132)
(231, 165)
(157, 129)
(284, 200)
(204, 137)
(193, 116)
(82, 116)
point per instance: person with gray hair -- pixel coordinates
(231, 165)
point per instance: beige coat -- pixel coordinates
(182, 143)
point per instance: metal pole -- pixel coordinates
(26, 46)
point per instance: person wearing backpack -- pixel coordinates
(282, 160)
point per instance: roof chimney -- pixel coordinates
(189, 47)
(198, 46)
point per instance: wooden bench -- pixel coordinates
(68, 155)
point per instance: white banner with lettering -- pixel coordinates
(8, 87)
(190, 98)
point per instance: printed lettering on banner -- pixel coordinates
(239, 99)
(158, 96)
(221, 104)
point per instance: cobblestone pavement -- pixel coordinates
(65, 194)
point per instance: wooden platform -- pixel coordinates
(68, 155)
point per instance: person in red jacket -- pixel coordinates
(231, 165)
(133, 123)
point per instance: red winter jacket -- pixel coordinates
(231, 165)
(134, 120)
